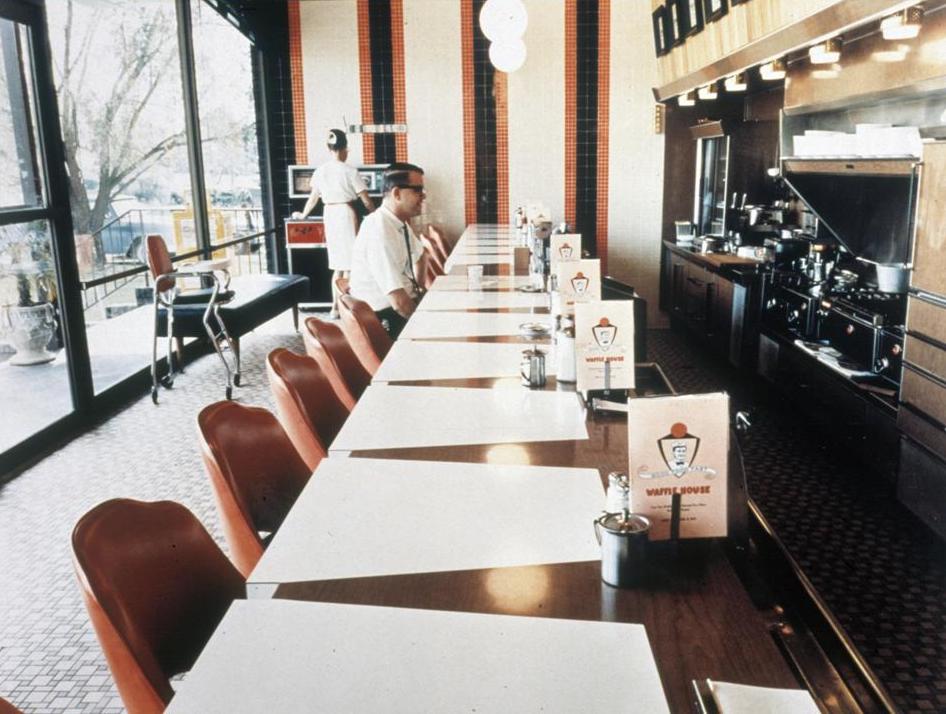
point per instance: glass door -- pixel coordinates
(711, 197)
(36, 371)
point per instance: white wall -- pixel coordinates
(434, 97)
(329, 31)
(635, 158)
(536, 95)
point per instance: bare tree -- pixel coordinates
(110, 124)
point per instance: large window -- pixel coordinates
(34, 372)
(224, 72)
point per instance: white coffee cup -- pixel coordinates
(474, 277)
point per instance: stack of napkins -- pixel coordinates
(744, 699)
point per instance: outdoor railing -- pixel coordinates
(121, 285)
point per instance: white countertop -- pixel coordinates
(390, 417)
(411, 360)
(431, 324)
(369, 517)
(478, 300)
(488, 282)
(281, 656)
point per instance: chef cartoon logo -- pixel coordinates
(604, 333)
(580, 283)
(678, 450)
(565, 251)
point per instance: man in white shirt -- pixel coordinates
(388, 257)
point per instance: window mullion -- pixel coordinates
(192, 124)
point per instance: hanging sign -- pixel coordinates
(678, 449)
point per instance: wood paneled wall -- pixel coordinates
(742, 25)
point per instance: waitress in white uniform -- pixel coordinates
(338, 185)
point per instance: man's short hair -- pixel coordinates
(398, 174)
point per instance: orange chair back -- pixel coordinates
(308, 407)
(326, 344)
(7, 708)
(156, 586)
(159, 261)
(342, 285)
(433, 255)
(255, 471)
(437, 238)
(364, 331)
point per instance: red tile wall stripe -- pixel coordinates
(469, 111)
(365, 79)
(500, 93)
(604, 103)
(397, 59)
(295, 79)
(571, 101)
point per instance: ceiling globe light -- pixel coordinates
(686, 100)
(707, 93)
(827, 52)
(507, 56)
(905, 25)
(773, 71)
(503, 20)
(736, 83)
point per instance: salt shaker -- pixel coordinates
(618, 498)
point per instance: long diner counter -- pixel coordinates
(704, 605)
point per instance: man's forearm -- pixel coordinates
(401, 302)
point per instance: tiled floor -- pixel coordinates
(50, 660)
(880, 572)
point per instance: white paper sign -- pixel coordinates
(604, 344)
(578, 281)
(680, 445)
(564, 246)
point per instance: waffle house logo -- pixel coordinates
(678, 450)
(604, 333)
(580, 283)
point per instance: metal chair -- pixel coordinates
(167, 296)
(156, 586)
(364, 331)
(308, 408)
(326, 344)
(256, 474)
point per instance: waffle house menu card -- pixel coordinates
(564, 247)
(604, 345)
(578, 281)
(680, 445)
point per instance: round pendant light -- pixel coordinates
(503, 20)
(507, 56)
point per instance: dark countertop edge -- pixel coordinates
(889, 405)
(733, 271)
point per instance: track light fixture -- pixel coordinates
(736, 83)
(773, 71)
(905, 25)
(828, 52)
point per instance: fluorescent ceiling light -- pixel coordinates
(686, 100)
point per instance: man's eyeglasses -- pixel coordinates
(416, 188)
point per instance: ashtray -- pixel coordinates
(529, 289)
(534, 329)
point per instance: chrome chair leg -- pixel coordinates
(154, 350)
(168, 380)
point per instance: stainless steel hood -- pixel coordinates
(868, 205)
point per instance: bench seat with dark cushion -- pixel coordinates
(257, 299)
